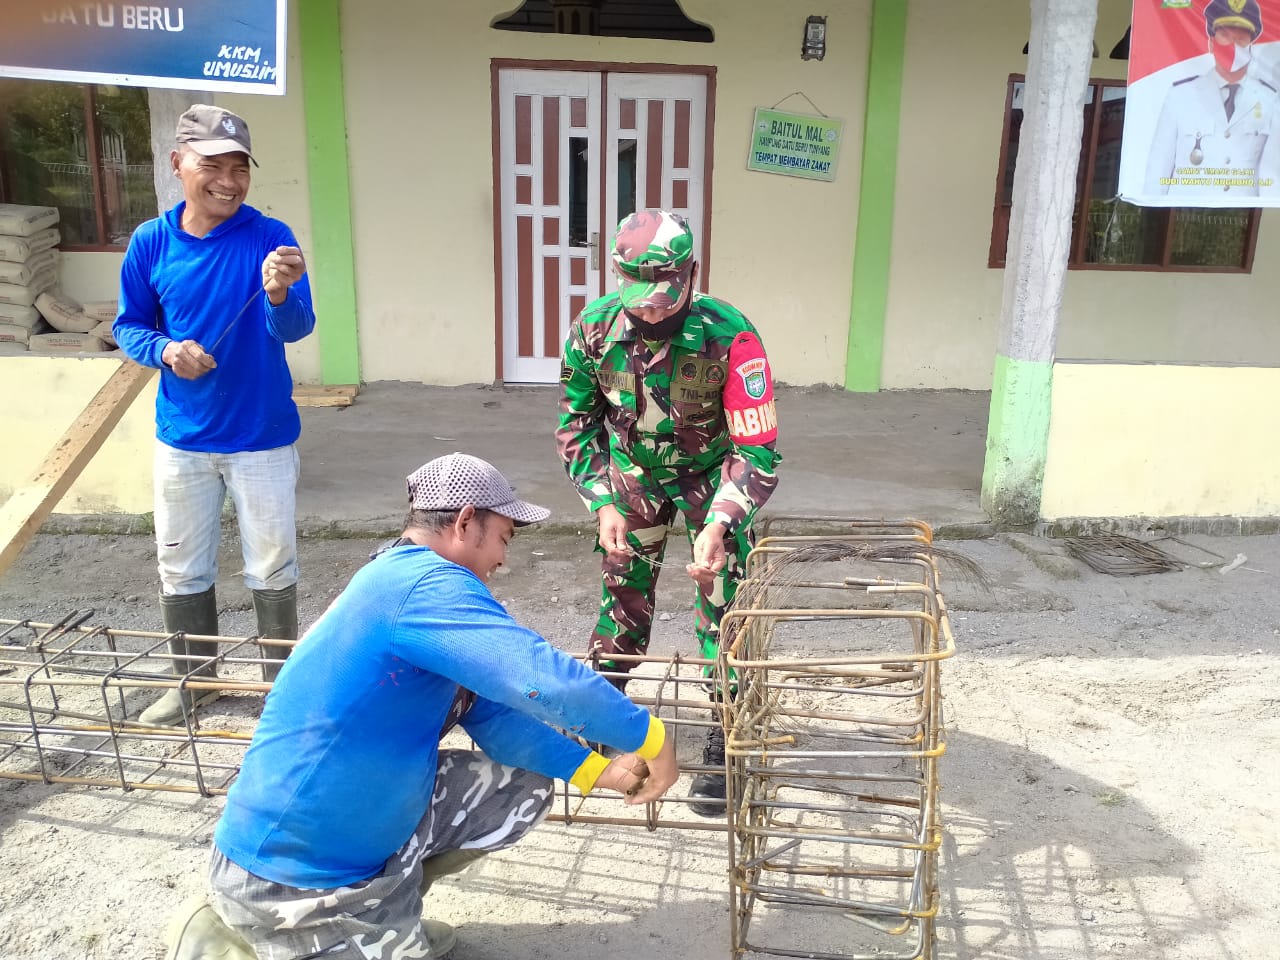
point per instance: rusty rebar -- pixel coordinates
(832, 755)
(832, 653)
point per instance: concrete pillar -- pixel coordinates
(1044, 192)
(166, 107)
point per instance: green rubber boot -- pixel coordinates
(194, 613)
(196, 932)
(277, 612)
(440, 936)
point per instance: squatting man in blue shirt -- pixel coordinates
(346, 808)
(210, 293)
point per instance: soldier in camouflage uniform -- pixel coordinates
(666, 405)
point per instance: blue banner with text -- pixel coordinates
(237, 46)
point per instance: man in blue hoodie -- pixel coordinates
(210, 293)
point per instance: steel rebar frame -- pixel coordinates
(68, 714)
(835, 811)
(831, 759)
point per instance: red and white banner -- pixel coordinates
(1202, 111)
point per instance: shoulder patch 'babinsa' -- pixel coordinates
(748, 395)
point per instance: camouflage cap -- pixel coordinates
(653, 258)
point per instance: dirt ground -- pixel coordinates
(1109, 785)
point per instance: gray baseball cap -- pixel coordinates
(211, 131)
(453, 481)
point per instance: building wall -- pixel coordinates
(419, 119)
(1162, 440)
(42, 398)
(91, 276)
(944, 301)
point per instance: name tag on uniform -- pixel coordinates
(698, 380)
(619, 380)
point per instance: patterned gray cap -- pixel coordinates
(452, 482)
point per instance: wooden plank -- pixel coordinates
(32, 502)
(322, 390)
(320, 401)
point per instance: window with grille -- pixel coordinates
(1107, 233)
(83, 149)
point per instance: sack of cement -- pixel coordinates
(103, 332)
(24, 295)
(24, 220)
(64, 314)
(65, 343)
(14, 333)
(24, 273)
(21, 249)
(102, 309)
(9, 348)
(16, 313)
(17, 220)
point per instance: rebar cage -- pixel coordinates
(834, 646)
(827, 687)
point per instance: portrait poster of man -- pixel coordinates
(1202, 111)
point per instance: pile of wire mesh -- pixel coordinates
(834, 646)
(71, 691)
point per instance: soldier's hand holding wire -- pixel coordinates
(613, 533)
(187, 359)
(283, 267)
(708, 555)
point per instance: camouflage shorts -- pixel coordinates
(477, 805)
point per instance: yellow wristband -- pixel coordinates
(654, 740)
(588, 772)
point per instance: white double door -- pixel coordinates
(578, 151)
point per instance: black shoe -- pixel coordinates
(708, 789)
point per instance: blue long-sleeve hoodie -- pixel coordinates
(343, 762)
(175, 286)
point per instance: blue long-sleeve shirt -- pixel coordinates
(343, 761)
(175, 286)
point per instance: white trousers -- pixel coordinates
(189, 491)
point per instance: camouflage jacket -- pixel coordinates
(625, 406)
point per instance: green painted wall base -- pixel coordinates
(1017, 440)
(333, 257)
(872, 252)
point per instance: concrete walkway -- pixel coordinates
(891, 454)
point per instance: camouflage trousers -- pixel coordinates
(477, 805)
(648, 501)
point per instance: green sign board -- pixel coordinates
(795, 144)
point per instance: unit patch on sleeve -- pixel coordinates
(748, 394)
